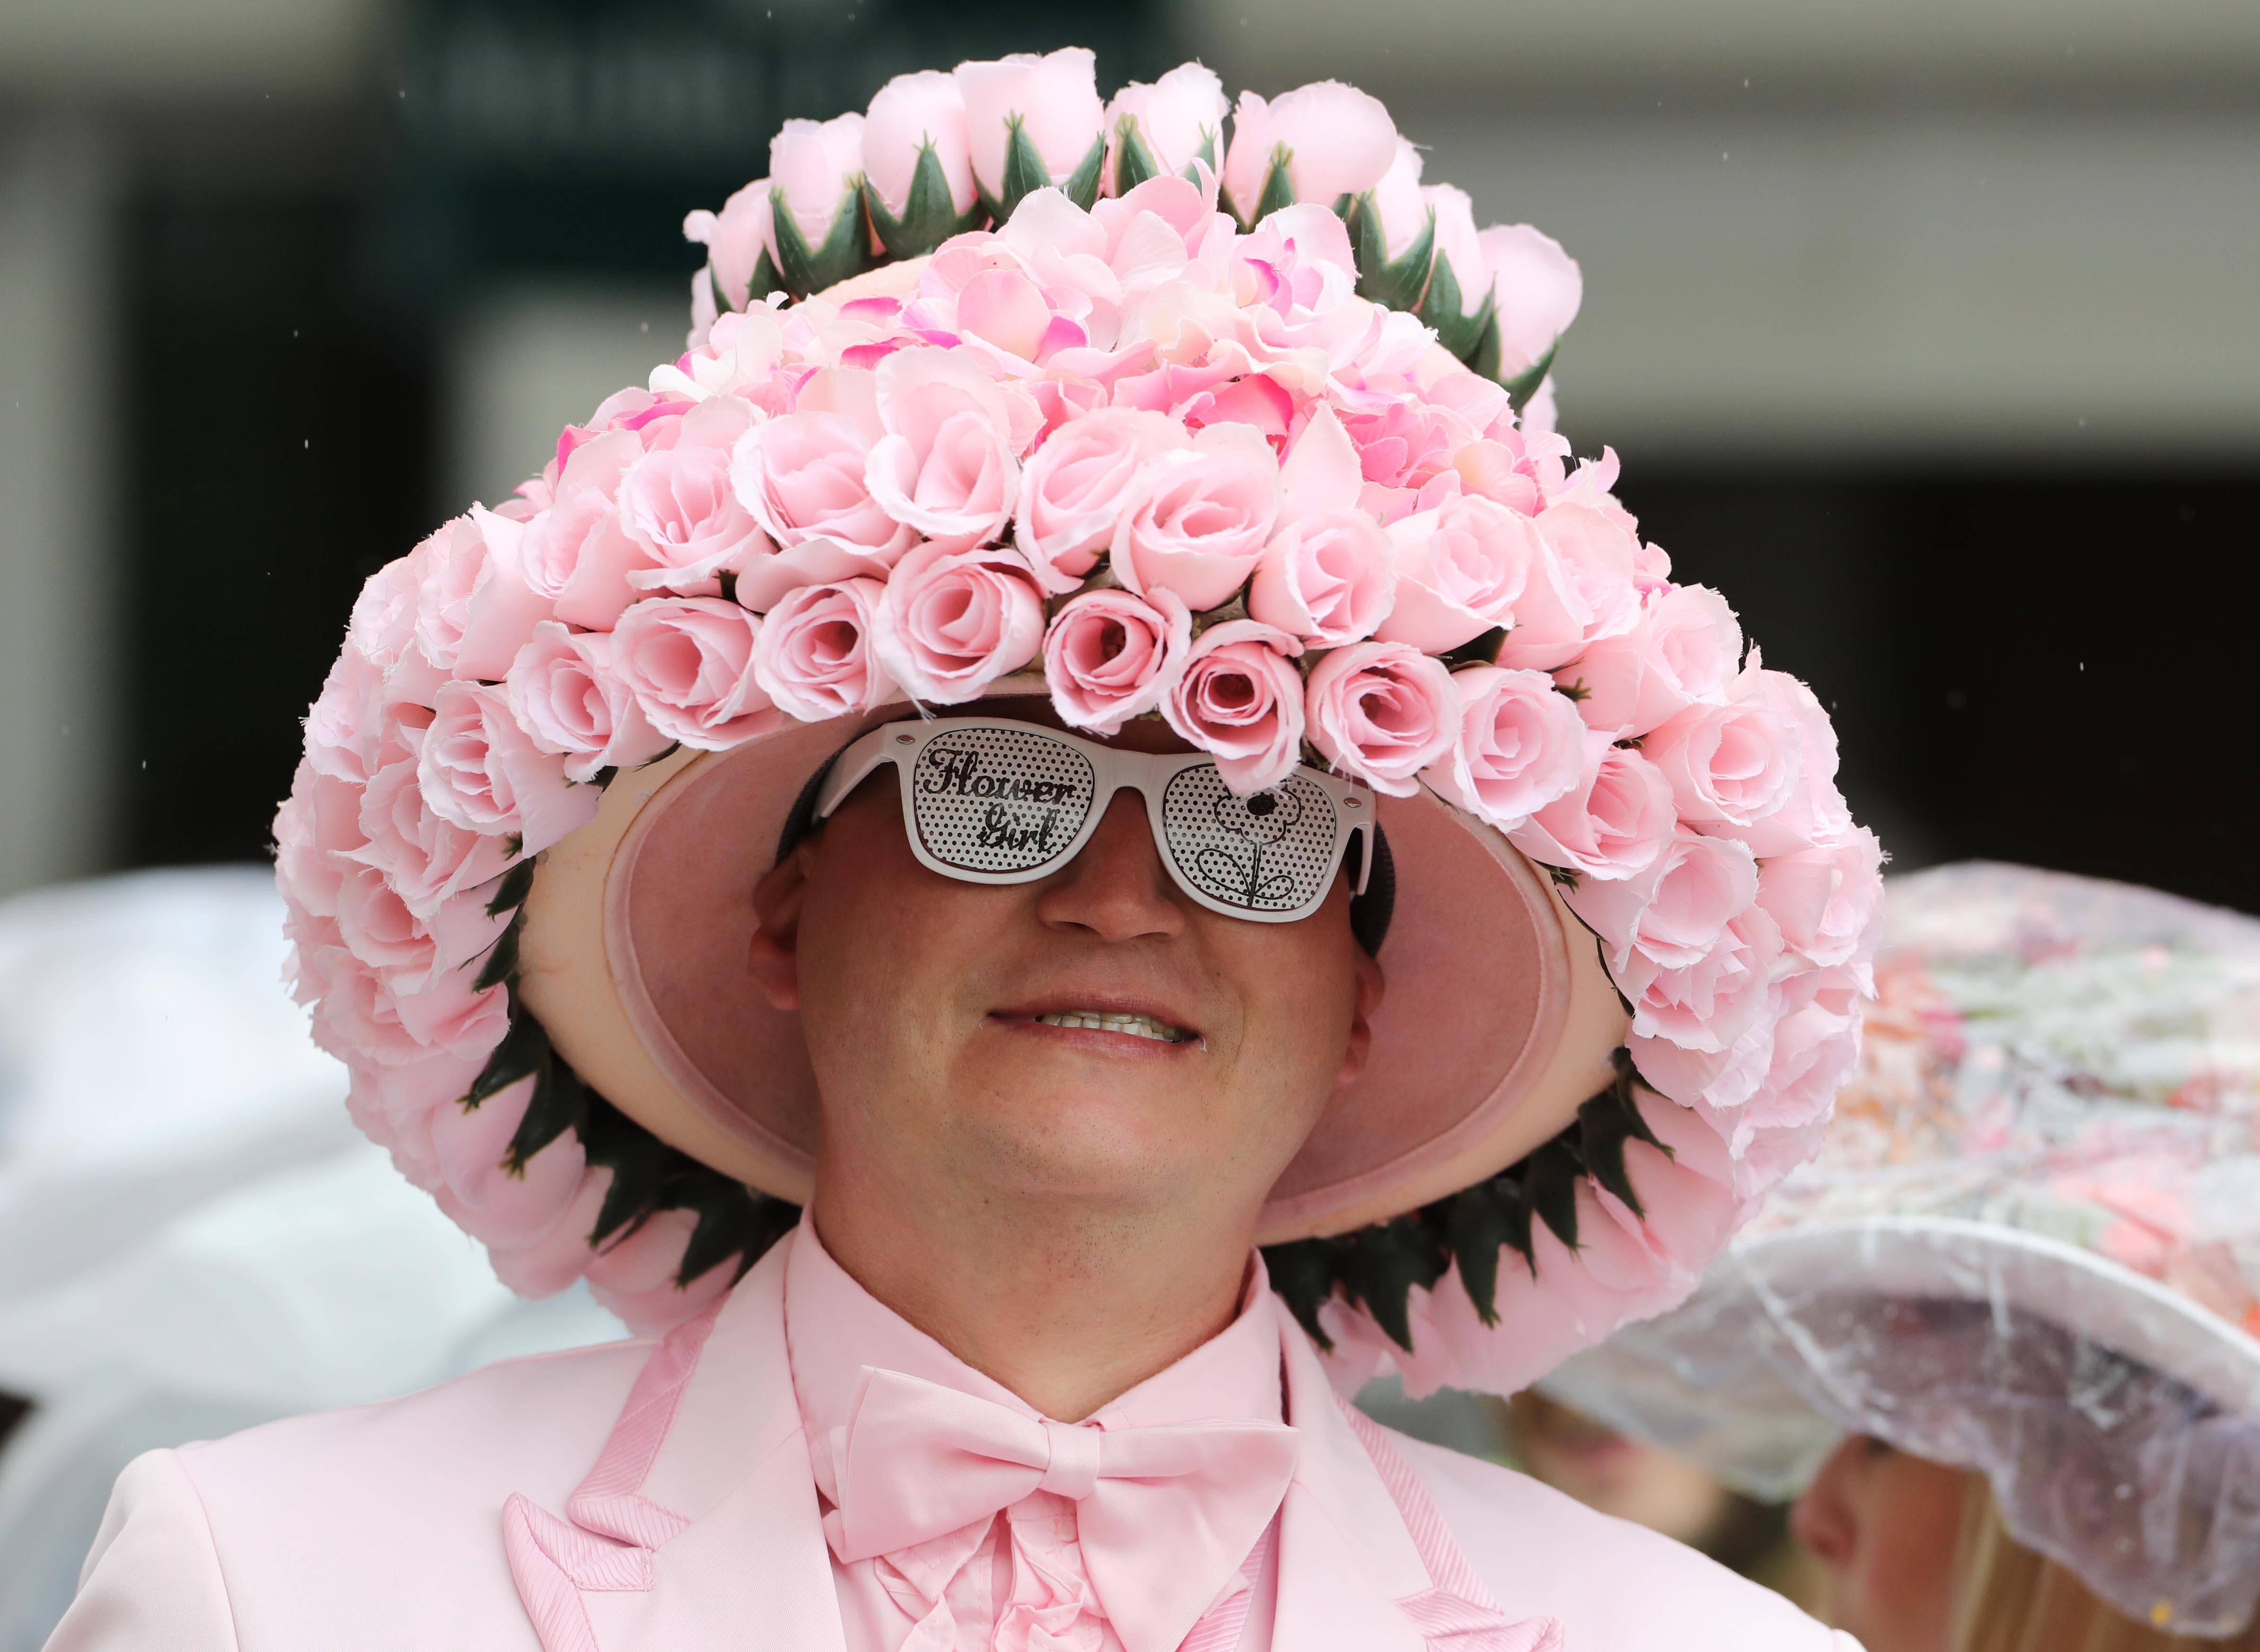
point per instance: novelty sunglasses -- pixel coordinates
(988, 800)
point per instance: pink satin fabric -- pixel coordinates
(960, 1519)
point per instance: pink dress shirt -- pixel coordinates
(1014, 1581)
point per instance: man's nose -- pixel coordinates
(1117, 889)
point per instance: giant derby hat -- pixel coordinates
(1000, 392)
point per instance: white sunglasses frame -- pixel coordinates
(1147, 773)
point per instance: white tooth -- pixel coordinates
(1112, 1021)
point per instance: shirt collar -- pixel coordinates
(834, 1328)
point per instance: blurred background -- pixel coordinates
(1929, 332)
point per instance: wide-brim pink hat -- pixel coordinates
(1143, 448)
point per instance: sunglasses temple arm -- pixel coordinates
(844, 779)
(1364, 830)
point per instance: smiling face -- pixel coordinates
(1094, 1036)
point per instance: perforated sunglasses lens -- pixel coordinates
(999, 800)
(1273, 852)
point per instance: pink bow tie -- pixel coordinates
(1164, 1516)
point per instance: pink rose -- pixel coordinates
(1339, 140)
(953, 622)
(347, 719)
(1826, 899)
(1813, 815)
(359, 1015)
(1589, 594)
(679, 508)
(1458, 249)
(1241, 700)
(948, 464)
(910, 113)
(410, 954)
(815, 165)
(1080, 486)
(1053, 99)
(689, 662)
(426, 857)
(565, 694)
(1200, 517)
(481, 770)
(1178, 119)
(575, 554)
(474, 609)
(1110, 655)
(734, 240)
(1684, 650)
(1674, 913)
(1381, 711)
(315, 829)
(813, 657)
(1461, 568)
(384, 611)
(1730, 765)
(1327, 579)
(1519, 747)
(1612, 823)
(804, 476)
(1706, 1004)
(1537, 287)
(1814, 1051)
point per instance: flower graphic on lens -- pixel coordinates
(1260, 821)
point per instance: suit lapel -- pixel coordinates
(699, 1527)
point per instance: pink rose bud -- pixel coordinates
(735, 240)
(1730, 765)
(1461, 568)
(1080, 485)
(1826, 899)
(677, 505)
(565, 694)
(1178, 119)
(1339, 141)
(1241, 700)
(1381, 711)
(1055, 100)
(948, 464)
(1684, 652)
(816, 165)
(953, 622)
(813, 657)
(481, 771)
(1201, 517)
(1458, 247)
(474, 609)
(1399, 202)
(804, 476)
(1110, 656)
(910, 113)
(1519, 747)
(1674, 913)
(1538, 288)
(689, 663)
(1327, 579)
(1612, 823)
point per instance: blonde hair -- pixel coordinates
(2007, 1598)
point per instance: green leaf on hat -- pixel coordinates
(511, 889)
(1550, 1184)
(523, 1049)
(764, 280)
(929, 215)
(1304, 1272)
(1523, 386)
(1398, 282)
(1605, 1122)
(1383, 1265)
(846, 248)
(1133, 163)
(501, 954)
(639, 1163)
(1441, 310)
(732, 1220)
(1479, 1224)
(559, 1103)
(1278, 188)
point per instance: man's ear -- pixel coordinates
(773, 955)
(1372, 984)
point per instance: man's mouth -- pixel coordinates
(1136, 1026)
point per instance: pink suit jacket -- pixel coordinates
(453, 1520)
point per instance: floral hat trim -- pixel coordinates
(995, 377)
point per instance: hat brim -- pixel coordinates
(1497, 1022)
